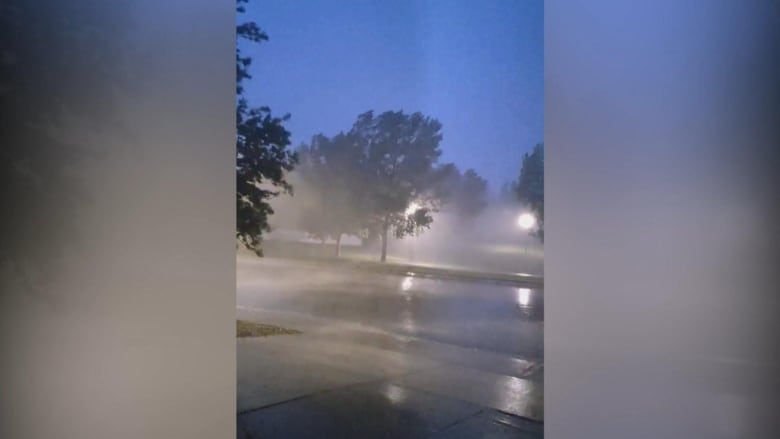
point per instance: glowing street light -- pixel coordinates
(526, 221)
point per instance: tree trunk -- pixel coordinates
(338, 244)
(385, 228)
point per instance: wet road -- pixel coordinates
(497, 318)
(386, 356)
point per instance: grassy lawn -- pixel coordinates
(252, 329)
(358, 258)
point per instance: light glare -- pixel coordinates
(526, 221)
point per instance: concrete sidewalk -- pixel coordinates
(345, 380)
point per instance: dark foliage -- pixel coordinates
(262, 151)
(530, 186)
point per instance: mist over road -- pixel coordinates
(497, 318)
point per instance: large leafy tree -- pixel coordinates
(330, 172)
(262, 150)
(445, 182)
(530, 186)
(399, 156)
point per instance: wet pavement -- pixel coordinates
(382, 410)
(387, 356)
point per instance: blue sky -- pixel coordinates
(476, 66)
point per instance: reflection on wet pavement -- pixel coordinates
(523, 297)
(388, 356)
(406, 284)
(485, 316)
(396, 394)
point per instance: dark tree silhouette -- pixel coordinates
(472, 198)
(329, 169)
(530, 186)
(465, 194)
(262, 153)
